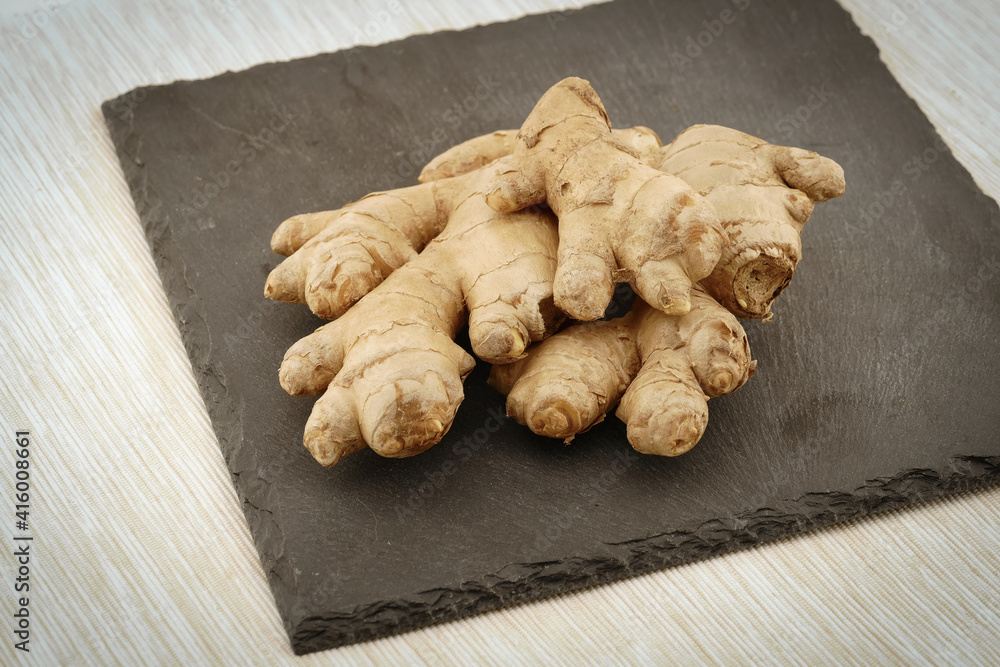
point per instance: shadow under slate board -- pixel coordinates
(877, 381)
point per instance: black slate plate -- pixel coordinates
(877, 382)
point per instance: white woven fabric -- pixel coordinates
(141, 553)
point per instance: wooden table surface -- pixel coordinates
(141, 554)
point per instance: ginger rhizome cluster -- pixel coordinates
(522, 235)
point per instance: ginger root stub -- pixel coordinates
(763, 194)
(660, 369)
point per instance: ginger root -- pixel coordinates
(388, 367)
(763, 194)
(336, 257)
(389, 370)
(704, 228)
(480, 151)
(662, 368)
(619, 219)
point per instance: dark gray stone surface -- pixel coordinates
(877, 382)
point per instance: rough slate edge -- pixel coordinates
(520, 582)
(538, 580)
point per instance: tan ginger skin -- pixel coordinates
(620, 220)
(388, 368)
(336, 257)
(763, 195)
(662, 368)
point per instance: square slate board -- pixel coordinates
(877, 382)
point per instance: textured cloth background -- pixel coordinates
(141, 554)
